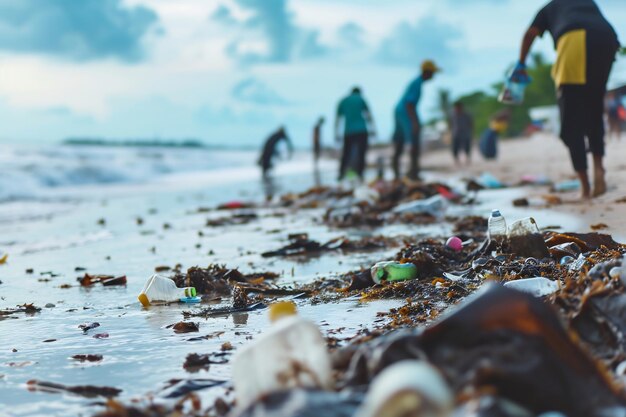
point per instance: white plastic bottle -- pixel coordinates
(291, 354)
(160, 288)
(497, 230)
(408, 388)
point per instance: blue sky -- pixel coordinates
(230, 71)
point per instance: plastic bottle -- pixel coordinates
(497, 230)
(393, 271)
(435, 206)
(537, 287)
(160, 288)
(291, 354)
(408, 388)
(522, 227)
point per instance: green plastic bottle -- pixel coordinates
(393, 271)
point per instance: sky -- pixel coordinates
(228, 72)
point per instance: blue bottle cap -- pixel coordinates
(190, 300)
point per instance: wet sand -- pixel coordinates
(544, 154)
(141, 353)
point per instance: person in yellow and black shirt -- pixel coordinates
(586, 46)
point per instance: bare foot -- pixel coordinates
(585, 192)
(599, 183)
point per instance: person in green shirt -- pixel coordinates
(586, 45)
(358, 125)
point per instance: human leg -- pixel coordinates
(599, 63)
(398, 142)
(456, 146)
(345, 156)
(415, 155)
(571, 100)
(361, 149)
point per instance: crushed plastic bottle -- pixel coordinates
(393, 271)
(159, 288)
(291, 354)
(537, 287)
(526, 226)
(525, 239)
(496, 228)
(434, 206)
(408, 388)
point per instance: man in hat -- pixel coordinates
(407, 122)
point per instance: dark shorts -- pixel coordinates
(582, 106)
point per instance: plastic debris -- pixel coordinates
(292, 354)
(538, 286)
(564, 186)
(434, 206)
(393, 271)
(159, 288)
(408, 388)
(455, 243)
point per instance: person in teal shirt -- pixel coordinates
(407, 123)
(355, 113)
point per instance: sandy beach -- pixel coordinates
(545, 155)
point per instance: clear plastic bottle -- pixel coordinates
(160, 288)
(497, 230)
(291, 354)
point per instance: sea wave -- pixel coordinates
(30, 171)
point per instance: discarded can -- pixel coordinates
(408, 388)
(455, 243)
(393, 271)
(160, 288)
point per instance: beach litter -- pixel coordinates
(106, 280)
(88, 358)
(88, 391)
(162, 289)
(184, 327)
(85, 327)
(291, 354)
(538, 286)
(393, 271)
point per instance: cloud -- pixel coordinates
(76, 30)
(252, 90)
(223, 15)
(269, 34)
(429, 38)
(351, 34)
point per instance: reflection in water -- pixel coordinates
(270, 188)
(240, 319)
(317, 177)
